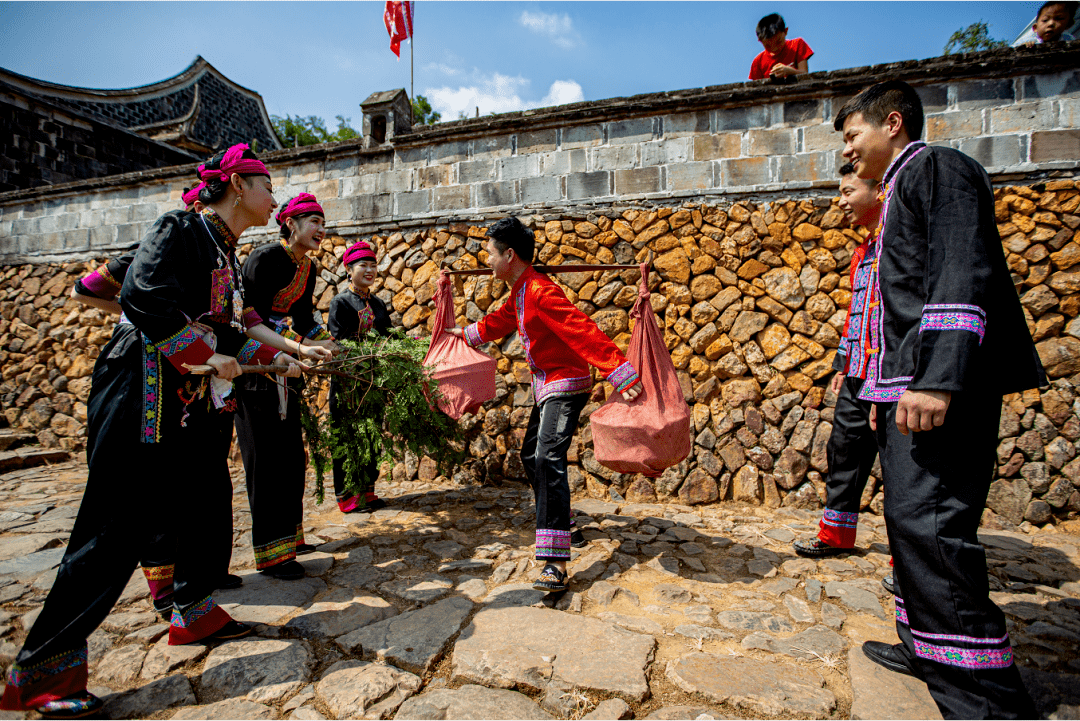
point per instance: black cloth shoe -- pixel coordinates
(816, 548)
(77, 705)
(887, 582)
(233, 629)
(303, 549)
(551, 580)
(229, 580)
(891, 657)
(577, 540)
(287, 571)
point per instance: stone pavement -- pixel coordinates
(424, 611)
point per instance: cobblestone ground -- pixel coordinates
(425, 610)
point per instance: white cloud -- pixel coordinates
(442, 68)
(560, 28)
(499, 94)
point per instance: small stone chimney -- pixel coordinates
(386, 113)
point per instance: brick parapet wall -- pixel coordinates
(752, 297)
(747, 140)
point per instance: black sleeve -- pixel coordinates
(260, 282)
(341, 319)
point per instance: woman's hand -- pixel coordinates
(225, 366)
(328, 344)
(632, 392)
(295, 367)
(316, 353)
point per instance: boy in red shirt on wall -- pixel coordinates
(781, 57)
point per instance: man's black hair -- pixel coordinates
(848, 169)
(770, 25)
(512, 233)
(877, 101)
(1070, 7)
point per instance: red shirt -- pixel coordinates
(560, 341)
(793, 53)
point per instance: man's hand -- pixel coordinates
(836, 383)
(873, 417)
(921, 410)
(779, 70)
(632, 392)
(225, 366)
(295, 366)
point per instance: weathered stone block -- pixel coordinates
(802, 112)
(411, 203)
(804, 166)
(690, 176)
(637, 180)
(518, 166)
(635, 130)
(541, 190)
(536, 141)
(1053, 145)
(453, 197)
(1022, 118)
(958, 124)
(1064, 84)
(503, 192)
(613, 157)
(744, 171)
(984, 93)
(751, 116)
(581, 136)
(663, 152)
(563, 162)
(774, 141)
(498, 146)
(721, 145)
(996, 151)
(375, 205)
(476, 171)
(588, 185)
(684, 124)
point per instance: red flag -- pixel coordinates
(398, 20)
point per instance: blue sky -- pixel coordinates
(324, 58)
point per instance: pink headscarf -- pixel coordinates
(358, 251)
(192, 195)
(233, 162)
(303, 204)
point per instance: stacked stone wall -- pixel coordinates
(752, 297)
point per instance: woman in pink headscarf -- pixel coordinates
(279, 279)
(151, 447)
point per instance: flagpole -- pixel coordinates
(412, 35)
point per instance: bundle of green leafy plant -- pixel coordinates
(383, 409)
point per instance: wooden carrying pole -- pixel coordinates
(205, 370)
(567, 268)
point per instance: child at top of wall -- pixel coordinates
(781, 57)
(1051, 22)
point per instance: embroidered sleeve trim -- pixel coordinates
(973, 658)
(472, 335)
(840, 519)
(623, 377)
(251, 318)
(318, 333)
(288, 295)
(101, 283)
(290, 334)
(255, 352)
(954, 317)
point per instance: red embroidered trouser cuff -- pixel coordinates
(29, 687)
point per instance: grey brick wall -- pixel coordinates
(1022, 126)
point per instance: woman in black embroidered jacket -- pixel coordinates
(352, 314)
(149, 422)
(280, 279)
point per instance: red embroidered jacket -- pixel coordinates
(560, 341)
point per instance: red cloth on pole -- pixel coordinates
(466, 376)
(398, 20)
(651, 432)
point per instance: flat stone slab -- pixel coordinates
(424, 589)
(515, 594)
(640, 624)
(263, 599)
(754, 621)
(413, 640)
(775, 689)
(143, 702)
(705, 633)
(1055, 694)
(680, 713)
(879, 693)
(855, 598)
(814, 642)
(357, 689)
(258, 669)
(32, 563)
(331, 618)
(317, 563)
(121, 666)
(536, 648)
(163, 658)
(471, 702)
(592, 507)
(467, 565)
(233, 708)
(360, 576)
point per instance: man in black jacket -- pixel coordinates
(946, 340)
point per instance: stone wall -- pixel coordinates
(706, 145)
(752, 297)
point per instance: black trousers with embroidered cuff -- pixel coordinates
(936, 486)
(274, 466)
(552, 425)
(851, 452)
(128, 485)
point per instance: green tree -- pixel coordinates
(973, 38)
(300, 131)
(422, 113)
